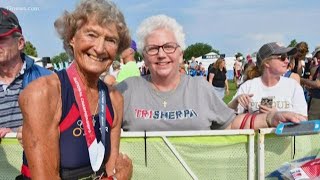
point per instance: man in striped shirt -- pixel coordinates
(16, 71)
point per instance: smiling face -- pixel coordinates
(95, 47)
(162, 64)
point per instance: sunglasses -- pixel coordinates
(281, 57)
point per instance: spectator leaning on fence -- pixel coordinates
(285, 93)
(16, 71)
(76, 134)
(168, 100)
(313, 86)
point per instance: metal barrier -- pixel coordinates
(220, 154)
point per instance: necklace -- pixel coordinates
(95, 111)
(162, 97)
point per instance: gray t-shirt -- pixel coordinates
(193, 105)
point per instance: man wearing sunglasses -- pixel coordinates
(285, 93)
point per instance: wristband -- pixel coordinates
(253, 117)
(243, 123)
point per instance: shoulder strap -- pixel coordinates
(288, 73)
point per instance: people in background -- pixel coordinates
(75, 135)
(218, 78)
(313, 87)
(193, 67)
(167, 100)
(110, 78)
(237, 70)
(17, 70)
(299, 57)
(289, 73)
(129, 67)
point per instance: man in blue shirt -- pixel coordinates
(16, 71)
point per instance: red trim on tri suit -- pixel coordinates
(72, 116)
(109, 117)
(25, 171)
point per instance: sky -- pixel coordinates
(229, 26)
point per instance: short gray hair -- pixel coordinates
(158, 22)
(104, 12)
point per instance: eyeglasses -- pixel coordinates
(168, 48)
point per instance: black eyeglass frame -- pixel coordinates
(156, 48)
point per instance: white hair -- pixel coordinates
(158, 22)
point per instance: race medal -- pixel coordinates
(96, 154)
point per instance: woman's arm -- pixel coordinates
(226, 86)
(270, 119)
(120, 163)
(211, 76)
(40, 104)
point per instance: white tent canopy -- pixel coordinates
(212, 57)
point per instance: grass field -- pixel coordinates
(232, 91)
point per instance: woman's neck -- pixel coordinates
(165, 84)
(90, 81)
(269, 80)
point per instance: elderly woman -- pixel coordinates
(283, 94)
(168, 100)
(63, 118)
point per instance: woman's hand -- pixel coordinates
(266, 109)
(123, 168)
(19, 135)
(244, 100)
(276, 117)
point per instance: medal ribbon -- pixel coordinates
(96, 150)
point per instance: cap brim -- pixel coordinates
(6, 32)
(289, 51)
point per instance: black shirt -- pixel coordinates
(219, 77)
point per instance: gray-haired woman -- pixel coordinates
(72, 122)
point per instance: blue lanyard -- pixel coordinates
(102, 113)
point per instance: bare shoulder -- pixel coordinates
(42, 92)
(295, 76)
(116, 96)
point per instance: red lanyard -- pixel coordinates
(96, 150)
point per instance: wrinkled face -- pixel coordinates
(166, 62)
(277, 64)
(10, 48)
(95, 47)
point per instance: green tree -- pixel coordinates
(29, 49)
(198, 49)
(293, 43)
(62, 57)
(138, 57)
